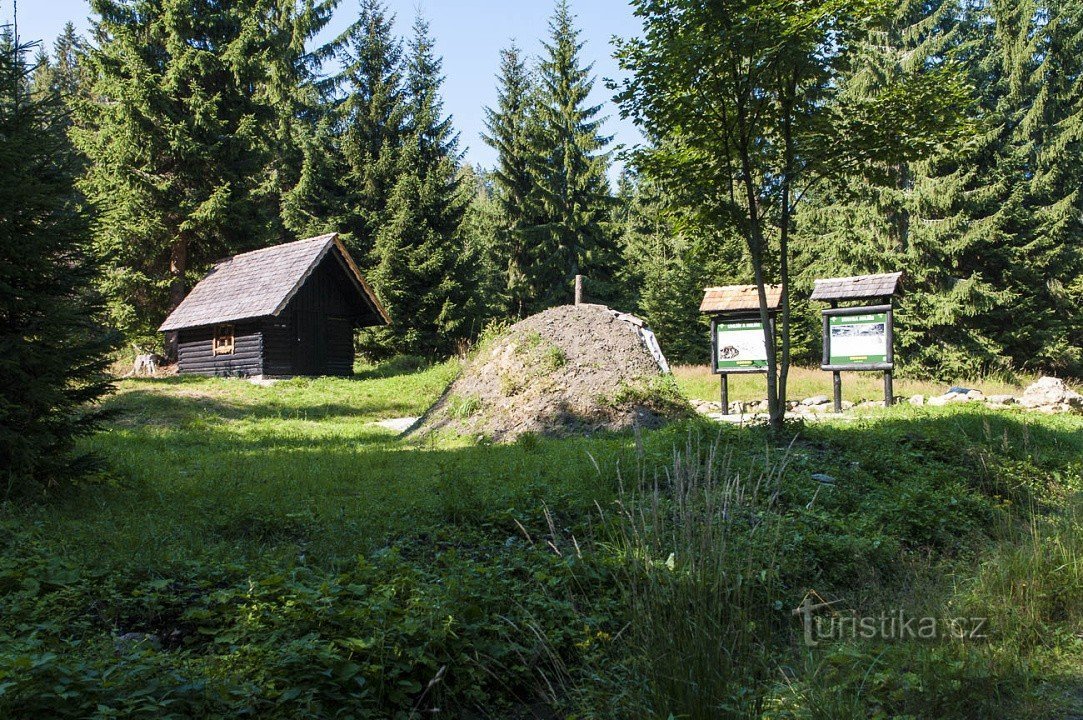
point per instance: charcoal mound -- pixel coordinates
(572, 369)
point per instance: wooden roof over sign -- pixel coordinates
(860, 287)
(731, 298)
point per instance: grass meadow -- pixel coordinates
(697, 381)
(270, 552)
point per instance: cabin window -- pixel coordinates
(223, 340)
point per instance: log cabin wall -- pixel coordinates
(195, 351)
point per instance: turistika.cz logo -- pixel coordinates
(894, 625)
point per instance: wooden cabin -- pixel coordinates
(285, 310)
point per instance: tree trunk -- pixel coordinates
(784, 241)
(756, 244)
(178, 267)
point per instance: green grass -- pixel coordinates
(193, 461)
(292, 559)
(699, 383)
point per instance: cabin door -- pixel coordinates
(310, 351)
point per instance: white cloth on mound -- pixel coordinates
(646, 335)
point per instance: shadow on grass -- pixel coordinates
(396, 366)
(973, 439)
(139, 407)
(174, 468)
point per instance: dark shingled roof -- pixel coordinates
(260, 284)
(860, 287)
(739, 297)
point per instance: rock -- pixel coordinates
(846, 405)
(823, 478)
(917, 400)
(816, 400)
(1051, 395)
(707, 406)
(399, 425)
(948, 397)
(1000, 399)
(975, 395)
(958, 389)
(136, 640)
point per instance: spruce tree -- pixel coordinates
(570, 201)
(510, 133)
(183, 130)
(668, 261)
(52, 349)
(483, 232)
(1037, 49)
(353, 163)
(938, 218)
(420, 272)
(59, 73)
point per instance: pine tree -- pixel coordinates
(669, 262)
(420, 272)
(183, 129)
(52, 351)
(509, 133)
(60, 72)
(570, 201)
(938, 218)
(353, 163)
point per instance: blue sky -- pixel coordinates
(469, 35)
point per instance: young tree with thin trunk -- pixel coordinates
(740, 101)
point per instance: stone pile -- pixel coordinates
(1048, 394)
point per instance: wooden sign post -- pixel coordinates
(738, 345)
(858, 338)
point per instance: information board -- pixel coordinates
(739, 345)
(858, 339)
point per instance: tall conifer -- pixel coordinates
(52, 349)
(183, 130)
(570, 199)
(419, 271)
(509, 133)
(916, 216)
(353, 162)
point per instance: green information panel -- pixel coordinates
(858, 339)
(739, 344)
